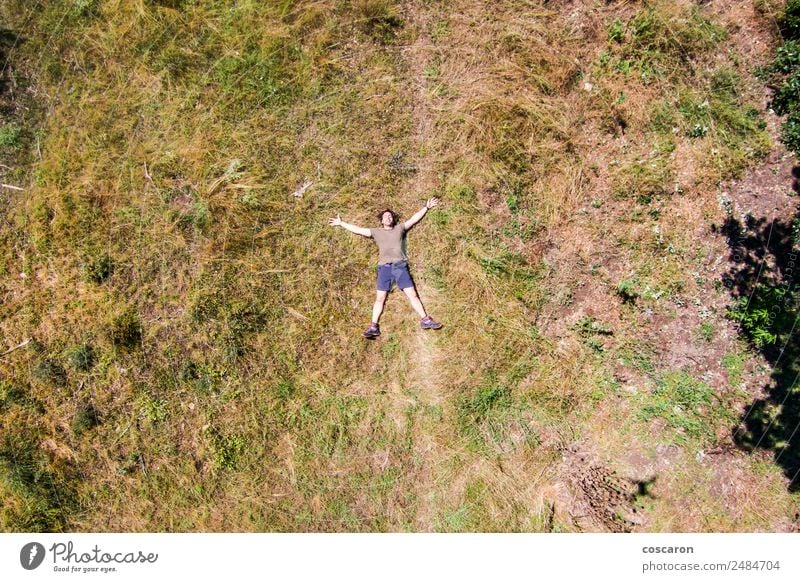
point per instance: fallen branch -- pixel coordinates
(22, 345)
(297, 314)
(12, 187)
(299, 192)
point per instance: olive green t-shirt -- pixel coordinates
(391, 243)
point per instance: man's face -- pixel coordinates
(386, 219)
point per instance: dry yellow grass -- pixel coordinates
(231, 386)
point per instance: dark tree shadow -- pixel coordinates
(763, 281)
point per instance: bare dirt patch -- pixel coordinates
(601, 499)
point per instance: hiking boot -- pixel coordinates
(429, 323)
(373, 331)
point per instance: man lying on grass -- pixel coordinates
(392, 263)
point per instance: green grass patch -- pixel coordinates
(660, 41)
(689, 407)
(82, 357)
(491, 419)
(705, 331)
(591, 332)
(10, 137)
(734, 366)
(37, 497)
(227, 449)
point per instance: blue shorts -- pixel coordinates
(394, 272)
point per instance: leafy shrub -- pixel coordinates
(761, 315)
(783, 76)
(787, 58)
(789, 21)
(627, 291)
(790, 132)
(616, 31)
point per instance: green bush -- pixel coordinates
(787, 96)
(627, 290)
(762, 315)
(783, 76)
(790, 132)
(789, 21)
(787, 58)
(616, 31)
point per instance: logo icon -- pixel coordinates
(31, 555)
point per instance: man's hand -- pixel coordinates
(431, 203)
(351, 227)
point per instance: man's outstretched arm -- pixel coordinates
(418, 216)
(351, 227)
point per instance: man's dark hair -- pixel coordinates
(395, 218)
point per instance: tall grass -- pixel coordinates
(199, 327)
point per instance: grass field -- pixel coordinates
(188, 333)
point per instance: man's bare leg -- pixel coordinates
(377, 309)
(411, 293)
